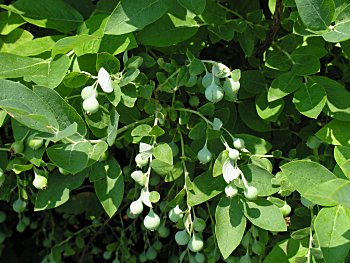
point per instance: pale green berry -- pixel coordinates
(163, 231)
(35, 144)
(151, 253)
(231, 190)
(239, 143)
(214, 93)
(40, 182)
(140, 162)
(139, 177)
(26, 220)
(286, 209)
(251, 193)
(199, 257)
(195, 244)
(233, 154)
(175, 214)
(88, 92)
(182, 237)
(136, 207)
(19, 205)
(17, 147)
(151, 221)
(199, 224)
(204, 155)
(91, 105)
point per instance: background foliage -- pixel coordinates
(169, 131)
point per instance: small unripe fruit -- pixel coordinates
(40, 182)
(19, 205)
(233, 154)
(175, 214)
(17, 147)
(195, 244)
(199, 257)
(91, 105)
(193, 101)
(157, 245)
(151, 253)
(151, 221)
(251, 193)
(35, 144)
(136, 207)
(20, 227)
(286, 209)
(231, 190)
(204, 155)
(239, 143)
(182, 237)
(163, 231)
(88, 92)
(199, 224)
(140, 161)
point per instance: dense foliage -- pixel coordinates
(174, 131)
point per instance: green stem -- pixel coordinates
(5, 149)
(132, 125)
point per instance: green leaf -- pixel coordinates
(35, 47)
(304, 65)
(110, 189)
(26, 106)
(205, 187)
(71, 157)
(197, 7)
(283, 85)
(316, 14)
(168, 31)
(57, 191)
(108, 62)
(332, 230)
(337, 105)
(340, 30)
(264, 214)
(310, 99)
(254, 144)
(306, 175)
(9, 21)
(64, 113)
(112, 129)
(162, 168)
(96, 151)
(278, 60)
(331, 193)
(219, 163)
(55, 14)
(13, 40)
(230, 225)
(131, 16)
(268, 111)
(251, 118)
(163, 153)
(336, 133)
(259, 178)
(341, 154)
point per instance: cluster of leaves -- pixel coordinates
(177, 131)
